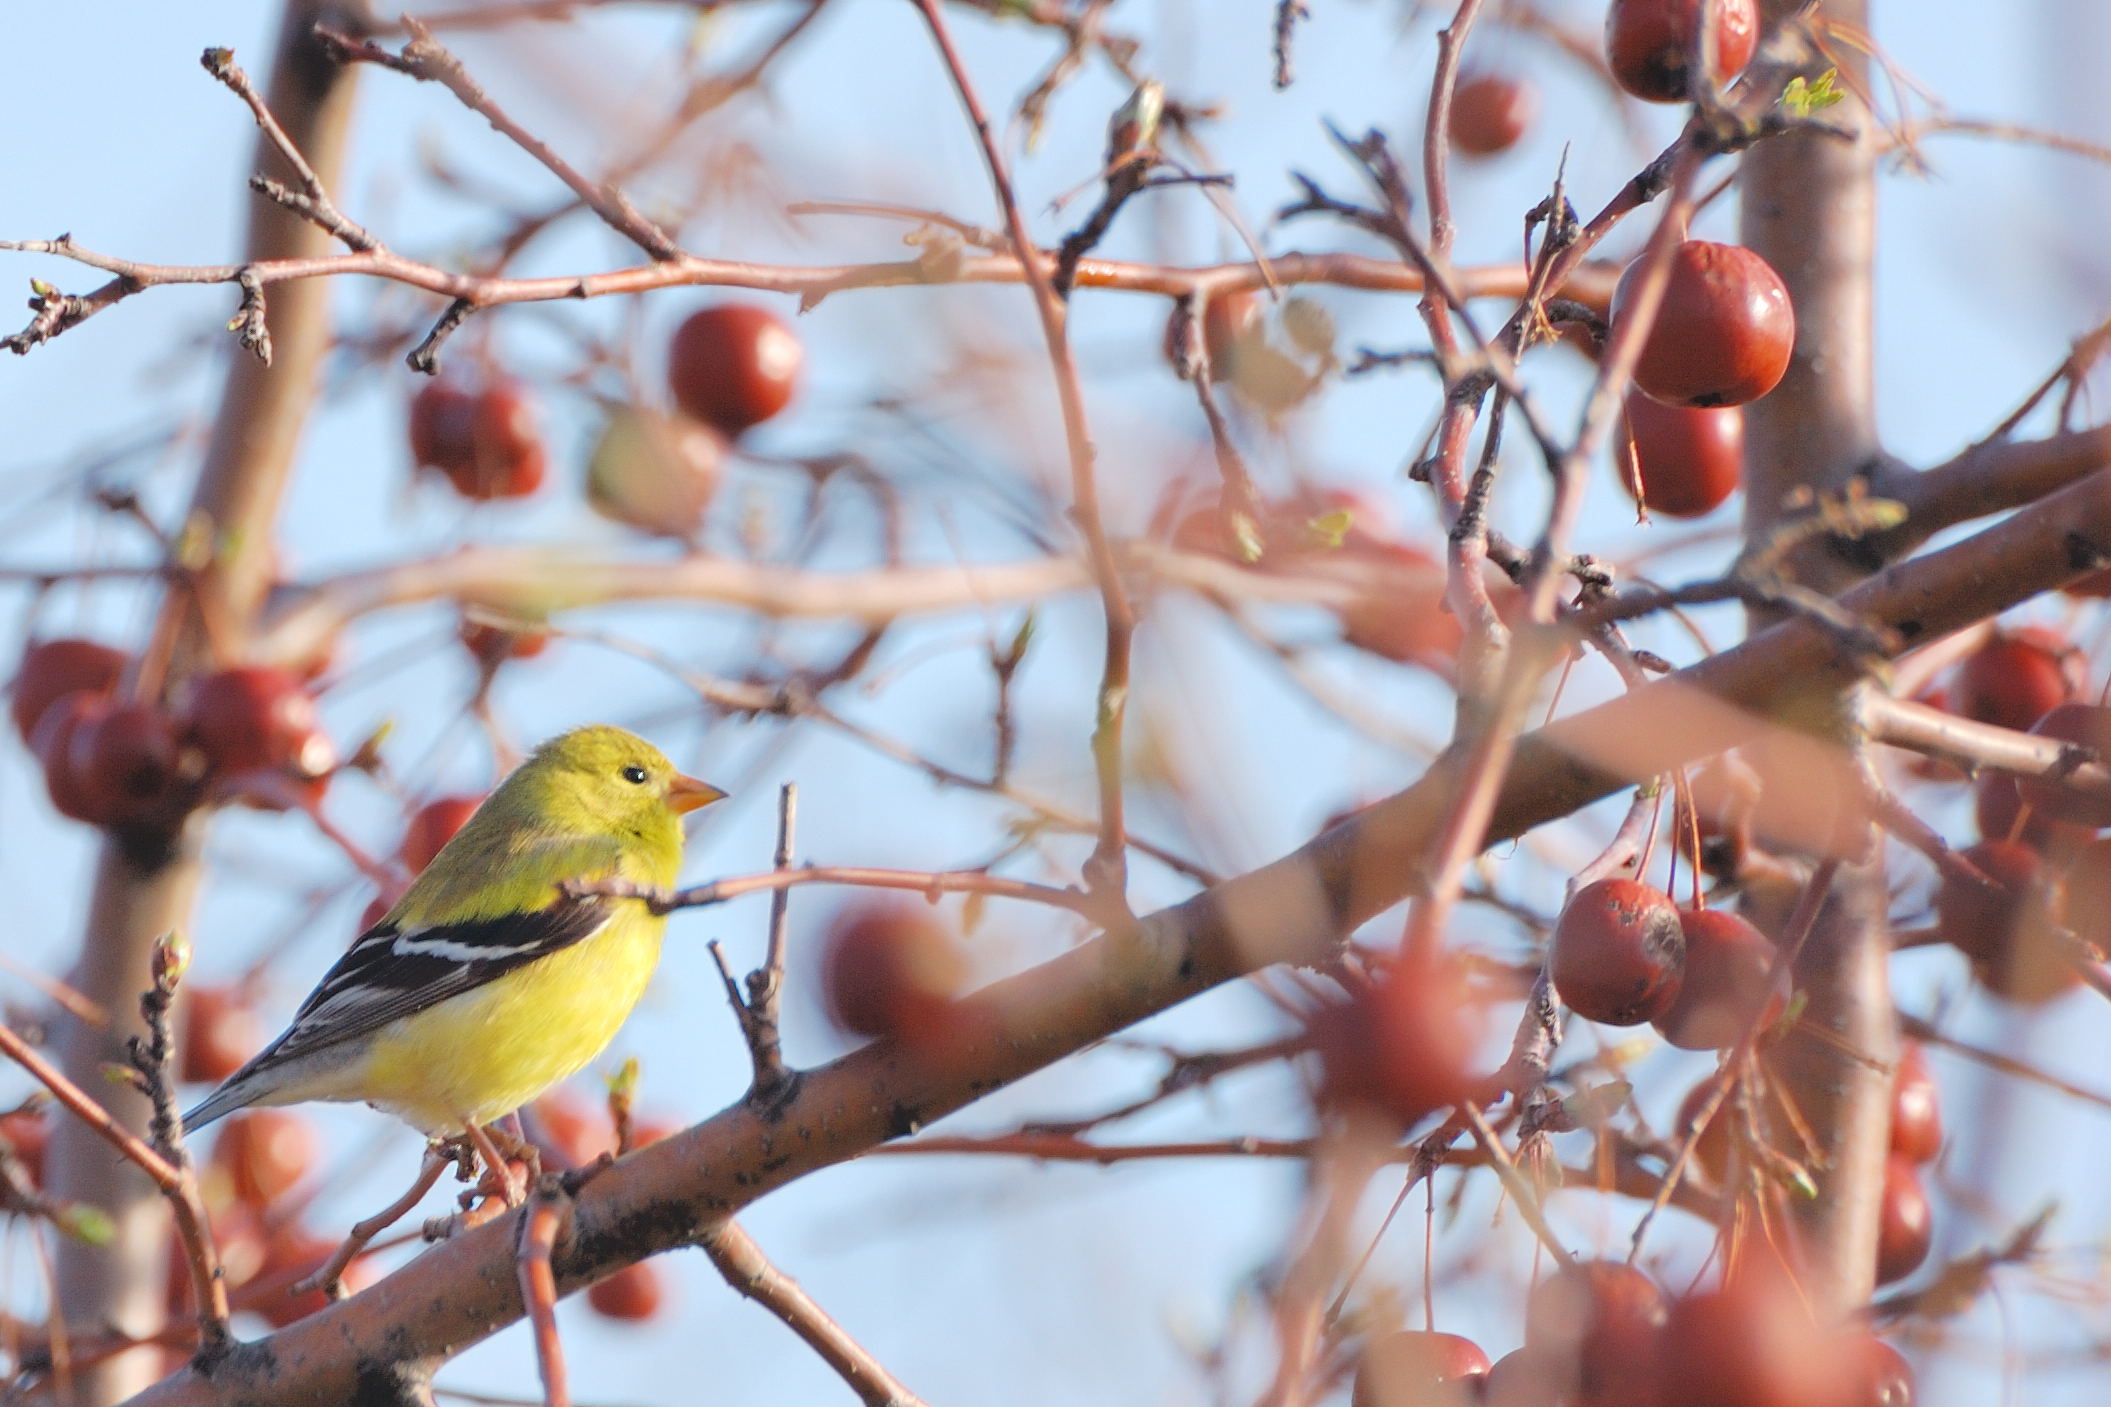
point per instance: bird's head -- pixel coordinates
(606, 778)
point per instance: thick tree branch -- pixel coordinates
(1984, 480)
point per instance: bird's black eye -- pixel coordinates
(636, 776)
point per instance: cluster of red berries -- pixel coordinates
(1906, 1225)
(1725, 329)
(1722, 337)
(729, 368)
(1623, 953)
(1649, 49)
(1604, 1333)
(2050, 871)
(110, 761)
(483, 439)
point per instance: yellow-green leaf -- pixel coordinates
(1806, 96)
(624, 1083)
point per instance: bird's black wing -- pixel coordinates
(391, 972)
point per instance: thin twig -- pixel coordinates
(549, 1212)
(749, 1271)
(766, 983)
(329, 1276)
(1106, 873)
(312, 202)
(1423, 1157)
(61, 993)
(1124, 178)
(1287, 14)
(428, 60)
(1436, 130)
(152, 1057)
(131, 1148)
(1801, 923)
(1185, 1073)
(58, 312)
(1922, 1029)
(911, 881)
(756, 1008)
(425, 357)
(1520, 1190)
(982, 238)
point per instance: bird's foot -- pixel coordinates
(499, 1179)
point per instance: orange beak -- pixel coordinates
(686, 794)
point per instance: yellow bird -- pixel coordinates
(485, 985)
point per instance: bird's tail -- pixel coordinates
(270, 1078)
(237, 1093)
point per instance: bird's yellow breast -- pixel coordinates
(483, 1054)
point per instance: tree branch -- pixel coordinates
(534, 582)
(428, 60)
(749, 1271)
(812, 283)
(1986, 479)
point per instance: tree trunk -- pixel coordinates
(1809, 207)
(142, 893)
